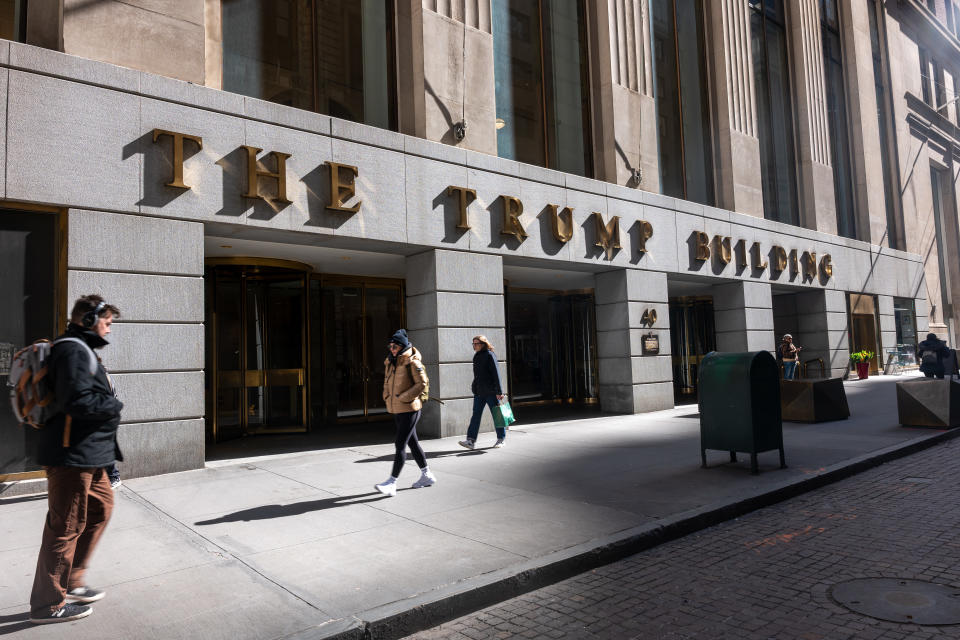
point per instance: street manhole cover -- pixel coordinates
(899, 600)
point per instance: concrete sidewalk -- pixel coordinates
(300, 546)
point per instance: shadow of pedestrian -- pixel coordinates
(269, 511)
(21, 621)
(429, 455)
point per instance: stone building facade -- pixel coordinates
(607, 189)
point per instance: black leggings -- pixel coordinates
(407, 435)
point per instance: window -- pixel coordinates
(837, 119)
(925, 77)
(774, 113)
(939, 88)
(683, 101)
(939, 182)
(29, 260)
(13, 20)
(904, 310)
(330, 56)
(541, 80)
(894, 238)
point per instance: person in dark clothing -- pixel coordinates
(75, 446)
(931, 353)
(403, 383)
(487, 391)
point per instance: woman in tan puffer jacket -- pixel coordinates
(402, 386)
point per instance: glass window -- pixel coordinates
(925, 76)
(13, 20)
(330, 56)
(905, 314)
(683, 103)
(540, 73)
(894, 238)
(939, 88)
(28, 261)
(774, 112)
(837, 119)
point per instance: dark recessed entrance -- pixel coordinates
(552, 347)
(692, 336)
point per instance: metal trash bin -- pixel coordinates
(740, 405)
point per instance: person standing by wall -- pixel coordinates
(790, 356)
(75, 447)
(487, 390)
(931, 353)
(403, 383)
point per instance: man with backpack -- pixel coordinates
(932, 352)
(75, 445)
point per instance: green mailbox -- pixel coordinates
(740, 405)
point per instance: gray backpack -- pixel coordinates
(31, 396)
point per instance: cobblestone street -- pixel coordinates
(765, 575)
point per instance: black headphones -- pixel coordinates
(90, 317)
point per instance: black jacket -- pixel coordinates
(486, 374)
(88, 400)
(938, 347)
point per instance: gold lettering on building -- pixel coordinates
(341, 191)
(741, 251)
(608, 235)
(649, 317)
(779, 258)
(826, 266)
(794, 263)
(466, 197)
(724, 252)
(178, 139)
(254, 173)
(512, 209)
(562, 229)
(758, 262)
(810, 265)
(701, 246)
(645, 230)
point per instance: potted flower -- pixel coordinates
(862, 360)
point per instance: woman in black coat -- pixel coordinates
(486, 388)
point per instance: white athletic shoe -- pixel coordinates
(467, 443)
(387, 488)
(499, 443)
(427, 479)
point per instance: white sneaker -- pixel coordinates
(499, 443)
(387, 488)
(426, 480)
(468, 443)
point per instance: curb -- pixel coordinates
(402, 618)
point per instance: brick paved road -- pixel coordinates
(765, 575)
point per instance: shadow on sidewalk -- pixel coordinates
(269, 511)
(457, 453)
(22, 618)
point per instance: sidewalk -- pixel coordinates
(300, 546)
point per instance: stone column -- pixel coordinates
(152, 270)
(451, 297)
(822, 330)
(630, 381)
(818, 206)
(623, 93)
(743, 316)
(739, 187)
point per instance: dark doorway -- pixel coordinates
(552, 347)
(692, 336)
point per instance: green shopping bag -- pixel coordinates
(503, 415)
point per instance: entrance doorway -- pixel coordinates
(257, 349)
(552, 347)
(692, 336)
(351, 322)
(863, 327)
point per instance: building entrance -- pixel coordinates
(552, 347)
(692, 336)
(256, 352)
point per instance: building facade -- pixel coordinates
(607, 189)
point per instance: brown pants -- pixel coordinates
(79, 503)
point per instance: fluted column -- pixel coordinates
(626, 135)
(739, 182)
(818, 209)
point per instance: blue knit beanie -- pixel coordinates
(400, 338)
